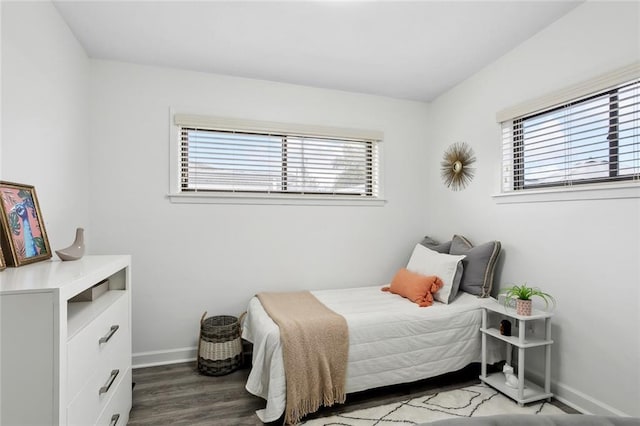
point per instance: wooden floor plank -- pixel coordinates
(178, 395)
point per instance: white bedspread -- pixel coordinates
(391, 341)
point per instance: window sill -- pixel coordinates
(575, 193)
(270, 199)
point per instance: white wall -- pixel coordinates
(188, 258)
(45, 75)
(192, 258)
(585, 253)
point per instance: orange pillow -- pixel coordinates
(415, 287)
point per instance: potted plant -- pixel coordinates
(522, 294)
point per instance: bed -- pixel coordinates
(392, 339)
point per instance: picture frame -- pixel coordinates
(3, 264)
(24, 237)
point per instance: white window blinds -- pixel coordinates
(270, 160)
(591, 139)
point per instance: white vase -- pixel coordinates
(76, 250)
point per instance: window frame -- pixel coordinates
(512, 187)
(178, 195)
(519, 162)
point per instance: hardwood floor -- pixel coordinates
(178, 395)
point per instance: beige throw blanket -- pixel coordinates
(315, 347)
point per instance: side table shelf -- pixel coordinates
(526, 391)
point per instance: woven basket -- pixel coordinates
(220, 345)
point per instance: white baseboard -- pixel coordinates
(578, 400)
(172, 356)
(584, 403)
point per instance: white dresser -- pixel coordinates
(62, 362)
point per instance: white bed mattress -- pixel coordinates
(391, 341)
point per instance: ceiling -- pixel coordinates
(412, 50)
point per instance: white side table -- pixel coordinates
(526, 391)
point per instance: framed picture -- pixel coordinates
(3, 265)
(24, 238)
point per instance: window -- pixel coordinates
(224, 157)
(590, 139)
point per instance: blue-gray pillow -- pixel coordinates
(432, 244)
(478, 266)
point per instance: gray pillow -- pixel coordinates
(432, 244)
(478, 266)
(457, 278)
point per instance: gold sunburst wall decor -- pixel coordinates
(455, 167)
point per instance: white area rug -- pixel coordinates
(472, 401)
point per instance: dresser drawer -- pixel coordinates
(116, 413)
(93, 346)
(99, 391)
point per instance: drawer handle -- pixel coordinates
(114, 420)
(109, 335)
(112, 377)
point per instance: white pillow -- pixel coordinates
(447, 267)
